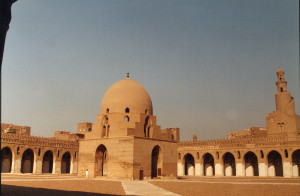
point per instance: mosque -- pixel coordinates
(126, 143)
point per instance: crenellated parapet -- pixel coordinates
(39, 141)
(243, 142)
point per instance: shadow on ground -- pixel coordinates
(9, 190)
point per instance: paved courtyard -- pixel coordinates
(28, 184)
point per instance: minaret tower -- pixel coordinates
(283, 120)
(284, 100)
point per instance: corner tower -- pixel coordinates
(283, 120)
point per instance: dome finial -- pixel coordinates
(127, 74)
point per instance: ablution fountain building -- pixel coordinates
(126, 143)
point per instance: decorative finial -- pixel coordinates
(127, 74)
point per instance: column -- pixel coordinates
(287, 169)
(180, 169)
(262, 167)
(240, 169)
(199, 169)
(219, 169)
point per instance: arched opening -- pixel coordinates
(105, 127)
(107, 110)
(27, 161)
(208, 165)
(127, 110)
(296, 163)
(65, 163)
(229, 164)
(189, 165)
(275, 164)
(6, 160)
(146, 127)
(261, 154)
(286, 153)
(251, 164)
(126, 119)
(101, 161)
(156, 162)
(47, 162)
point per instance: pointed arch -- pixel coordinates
(208, 165)
(189, 165)
(101, 157)
(27, 161)
(251, 164)
(229, 164)
(47, 166)
(66, 163)
(6, 160)
(156, 162)
(275, 164)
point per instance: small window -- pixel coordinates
(127, 110)
(39, 153)
(89, 129)
(262, 154)
(286, 153)
(239, 155)
(75, 154)
(107, 110)
(281, 89)
(146, 111)
(57, 153)
(127, 119)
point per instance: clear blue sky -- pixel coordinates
(208, 65)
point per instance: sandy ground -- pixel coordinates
(233, 186)
(12, 184)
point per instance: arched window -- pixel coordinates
(262, 154)
(127, 110)
(107, 110)
(39, 153)
(286, 153)
(281, 89)
(126, 118)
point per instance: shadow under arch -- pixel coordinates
(47, 166)
(275, 164)
(101, 161)
(156, 162)
(6, 160)
(27, 161)
(66, 163)
(251, 164)
(208, 165)
(189, 165)
(229, 164)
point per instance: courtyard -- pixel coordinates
(47, 184)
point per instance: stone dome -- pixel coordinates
(126, 93)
